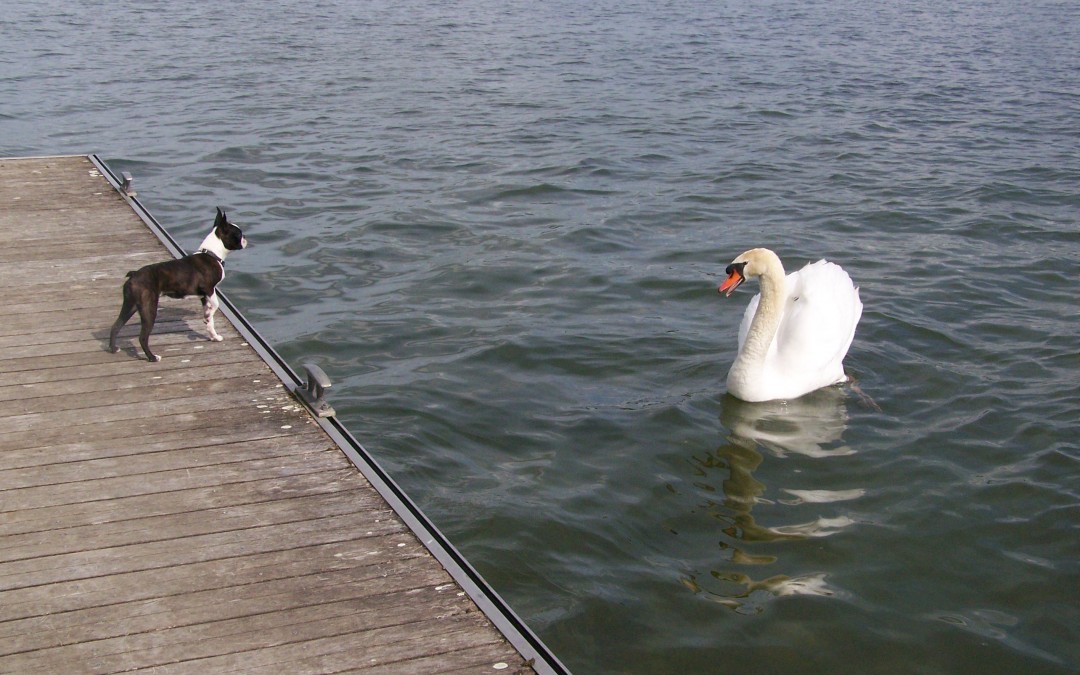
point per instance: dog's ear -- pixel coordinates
(220, 219)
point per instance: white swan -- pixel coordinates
(796, 332)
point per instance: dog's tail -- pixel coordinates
(130, 274)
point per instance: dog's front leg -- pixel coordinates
(210, 307)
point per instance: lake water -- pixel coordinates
(499, 227)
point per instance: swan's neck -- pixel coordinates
(766, 320)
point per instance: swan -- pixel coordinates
(795, 332)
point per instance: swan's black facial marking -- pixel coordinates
(734, 279)
(736, 267)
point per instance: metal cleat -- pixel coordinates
(127, 184)
(311, 394)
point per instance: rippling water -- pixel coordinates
(499, 227)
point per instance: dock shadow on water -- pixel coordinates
(766, 518)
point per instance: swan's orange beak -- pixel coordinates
(733, 281)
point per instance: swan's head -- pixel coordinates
(752, 263)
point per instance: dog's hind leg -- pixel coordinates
(210, 307)
(126, 311)
(148, 314)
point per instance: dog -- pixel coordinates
(195, 274)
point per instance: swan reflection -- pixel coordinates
(805, 426)
(811, 426)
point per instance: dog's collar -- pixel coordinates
(213, 255)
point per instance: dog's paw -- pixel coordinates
(216, 338)
(153, 359)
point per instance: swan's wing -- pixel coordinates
(820, 315)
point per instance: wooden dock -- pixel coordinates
(189, 515)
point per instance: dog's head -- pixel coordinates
(232, 238)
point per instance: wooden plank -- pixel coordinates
(382, 646)
(192, 374)
(158, 554)
(191, 456)
(188, 515)
(97, 536)
(120, 366)
(219, 590)
(125, 396)
(96, 308)
(89, 491)
(61, 446)
(238, 586)
(100, 295)
(100, 319)
(361, 620)
(140, 410)
(101, 440)
(44, 520)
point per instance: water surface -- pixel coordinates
(499, 227)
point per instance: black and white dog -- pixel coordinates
(196, 274)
